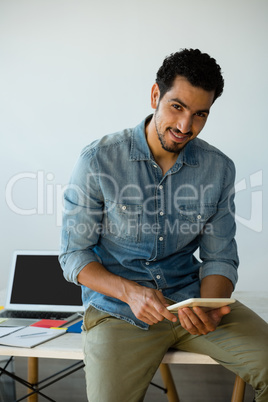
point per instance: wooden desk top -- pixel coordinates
(67, 346)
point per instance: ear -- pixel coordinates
(155, 95)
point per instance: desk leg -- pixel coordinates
(169, 383)
(238, 390)
(33, 376)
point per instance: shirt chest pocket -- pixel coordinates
(192, 220)
(123, 220)
(198, 213)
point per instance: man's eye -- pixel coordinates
(201, 114)
(178, 107)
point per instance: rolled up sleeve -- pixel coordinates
(218, 250)
(82, 218)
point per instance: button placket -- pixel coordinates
(160, 187)
(159, 278)
(160, 219)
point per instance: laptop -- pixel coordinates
(37, 290)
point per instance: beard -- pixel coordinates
(173, 147)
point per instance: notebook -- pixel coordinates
(28, 337)
(37, 290)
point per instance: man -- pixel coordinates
(140, 203)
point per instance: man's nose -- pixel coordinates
(184, 124)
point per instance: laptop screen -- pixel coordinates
(38, 283)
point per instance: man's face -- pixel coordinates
(181, 114)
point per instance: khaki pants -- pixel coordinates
(121, 359)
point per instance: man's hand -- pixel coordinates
(200, 321)
(149, 305)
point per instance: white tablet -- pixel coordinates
(202, 302)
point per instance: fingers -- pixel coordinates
(152, 314)
(217, 314)
(225, 310)
(152, 308)
(166, 313)
(198, 322)
(193, 323)
(149, 319)
(187, 323)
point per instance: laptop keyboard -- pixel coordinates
(56, 315)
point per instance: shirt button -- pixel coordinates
(147, 263)
(158, 277)
(124, 207)
(161, 213)
(199, 216)
(161, 238)
(161, 187)
(155, 166)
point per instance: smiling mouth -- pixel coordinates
(179, 136)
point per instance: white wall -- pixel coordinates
(73, 70)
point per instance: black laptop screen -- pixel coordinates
(38, 279)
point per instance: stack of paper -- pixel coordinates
(28, 337)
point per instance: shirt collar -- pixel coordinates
(141, 151)
(189, 154)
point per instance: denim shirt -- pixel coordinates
(121, 211)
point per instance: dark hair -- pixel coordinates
(198, 68)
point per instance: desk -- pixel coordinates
(69, 346)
